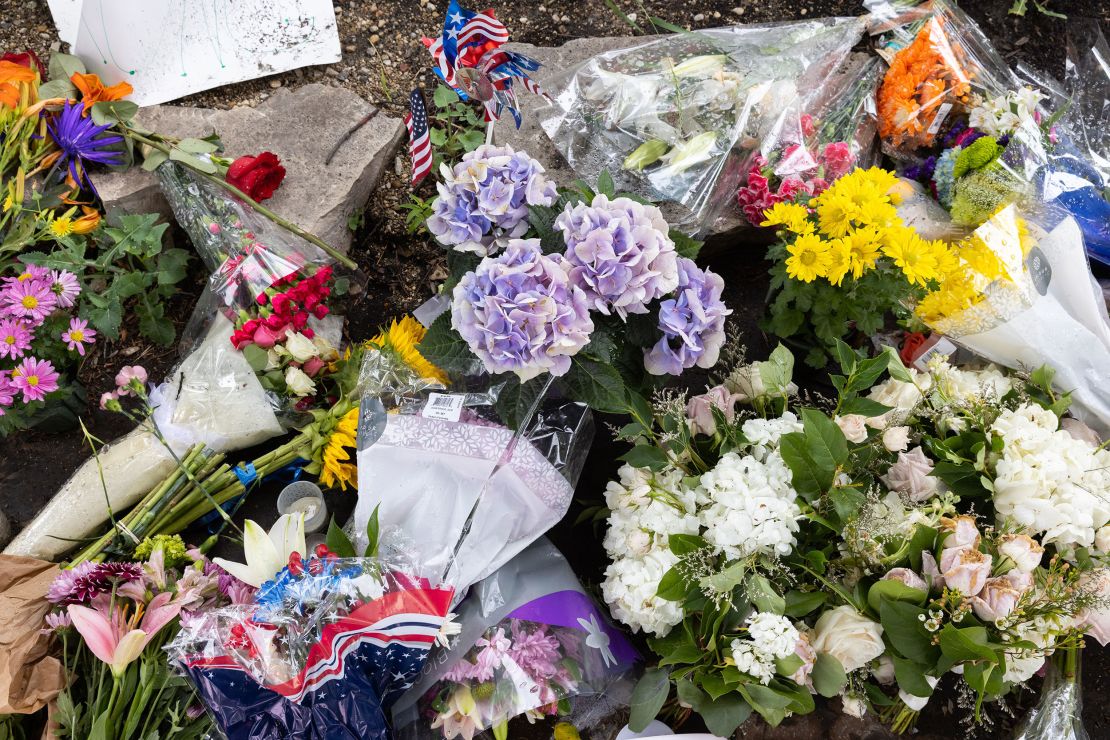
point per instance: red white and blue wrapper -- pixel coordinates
(322, 653)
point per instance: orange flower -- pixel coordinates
(922, 77)
(93, 90)
(11, 76)
(89, 221)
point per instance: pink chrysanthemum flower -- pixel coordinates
(35, 378)
(30, 299)
(64, 285)
(79, 335)
(29, 273)
(7, 391)
(15, 338)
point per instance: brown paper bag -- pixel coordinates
(30, 677)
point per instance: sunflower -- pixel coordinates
(336, 471)
(809, 258)
(401, 339)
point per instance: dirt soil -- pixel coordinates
(382, 60)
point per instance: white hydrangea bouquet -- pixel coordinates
(947, 525)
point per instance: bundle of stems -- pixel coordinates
(199, 484)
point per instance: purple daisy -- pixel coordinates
(82, 142)
(35, 378)
(64, 285)
(79, 335)
(15, 338)
(30, 299)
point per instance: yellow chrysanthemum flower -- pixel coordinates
(809, 258)
(913, 256)
(61, 226)
(336, 471)
(839, 261)
(794, 216)
(864, 245)
(401, 338)
(835, 213)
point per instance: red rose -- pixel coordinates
(27, 59)
(258, 176)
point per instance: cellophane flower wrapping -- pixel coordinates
(322, 652)
(673, 119)
(464, 470)
(1039, 305)
(826, 133)
(1059, 712)
(250, 257)
(531, 641)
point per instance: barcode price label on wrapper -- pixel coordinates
(444, 406)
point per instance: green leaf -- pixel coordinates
(966, 644)
(443, 347)
(828, 675)
(57, 89)
(113, 111)
(724, 714)
(444, 96)
(154, 160)
(685, 246)
(684, 544)
(778, 370)
(256, 357)
(437, 137)
(725, 581)
(673, 585)
(605, 184)
(372, 534)
(769, 703)
(153, 323)
(896, 590)
(788, 665)
(197, 146)
(905, 632)
(338, 542)
(867, 372)
(962, 478)
(648, 698)
(801, 603)
(846, 357)
(64, 66)
(806, 476)
(172, 265)
(911, 677)
(104, 312)
(895, 367)
(204, 165)
(597, 384)
(646, 456)
(863, 407)
(764, 596)
(826, 444)
(471, 140)
(986, 678)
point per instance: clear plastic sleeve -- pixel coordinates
(673, 119)
(1087, 82)
(249, 256)
(323, 652)
(1033, 302)
(824, 135)
(1058, 714)
(531, 641)
(464, 473)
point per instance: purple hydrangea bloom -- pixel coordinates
(693, 323)
(484, 200)
(619, 253)
(520, 312)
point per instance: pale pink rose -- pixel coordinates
(910, 475)
(906, 576)
(962, 533)
(854, 427)
(999, 596)
(808, 655)
(1096, 621)
(313, 366)
(1080, 431)
(896, 439)
(965, 570)
(932, 572)
(265, 337)
(699, 409)
(1025, 551)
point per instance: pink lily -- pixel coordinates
(119, 643)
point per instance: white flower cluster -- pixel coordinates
(1049, 482)
(646, 508)
(764, 434)
(748, 506)
(771, 637)
(1005, 114)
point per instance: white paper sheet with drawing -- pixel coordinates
(168, 49)
(67, 16)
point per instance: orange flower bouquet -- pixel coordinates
(926, 80)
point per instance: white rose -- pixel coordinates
(901, 397)
(917, 703)
(848, 636)
(896, 439)
(884, 671)
(298, 383)
(300, 347)
(746, 381)
(1023, 550)
(324, 349)
(853, 706)
(854, 427)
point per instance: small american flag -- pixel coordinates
(420, 145)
